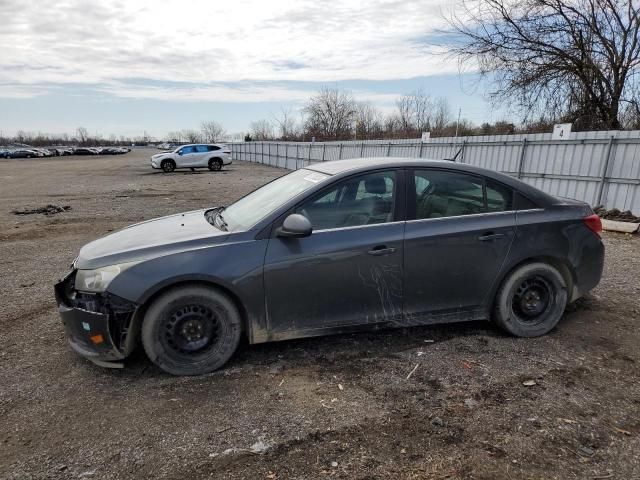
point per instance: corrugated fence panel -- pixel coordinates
(596, 167)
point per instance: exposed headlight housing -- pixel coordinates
(99, 279)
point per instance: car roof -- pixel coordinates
(355, 165)
(197, 144)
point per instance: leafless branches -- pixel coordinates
(575, 60)
(331, 114)
(212, 131)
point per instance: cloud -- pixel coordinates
(218, 51)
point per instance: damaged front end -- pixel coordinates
(99, 326)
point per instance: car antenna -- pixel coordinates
(455, 156)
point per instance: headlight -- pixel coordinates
(99, 279)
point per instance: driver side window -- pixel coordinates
(362, 200)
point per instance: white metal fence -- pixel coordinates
(602, 168)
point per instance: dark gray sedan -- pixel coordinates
(335, 247)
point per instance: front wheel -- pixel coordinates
(531, 300)
(191, 330)
(215, 164)
(168, 166)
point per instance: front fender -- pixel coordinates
(236, 267)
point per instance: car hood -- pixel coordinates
(151, 239)
(159, 155)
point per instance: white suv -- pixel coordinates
(199, 155)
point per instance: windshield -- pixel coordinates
(249, 210)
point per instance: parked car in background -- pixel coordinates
(24, 153)
(335, 247)
(211, 156)
(85, 151)
(63, 151)
(113, 150)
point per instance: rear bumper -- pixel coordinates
(97, 326)
(588, 271)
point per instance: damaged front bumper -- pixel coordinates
(99, 326)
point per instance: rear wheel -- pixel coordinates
(215, 164)
(191, 330)
(168, 166)
(531, 300)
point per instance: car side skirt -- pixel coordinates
(262, 336)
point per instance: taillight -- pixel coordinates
(226, 151)
(594, 224)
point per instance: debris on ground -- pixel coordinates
(437, 422)
(529, 383)
(411, 372)
(621, 227)
(46, 210)
(260, 447)
(617, 215)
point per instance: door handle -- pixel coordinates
(490, 236)
(381, 250)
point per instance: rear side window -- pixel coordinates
(499, 197)
(212, 148)
(201, 148)
(523, 203)
(451, 194)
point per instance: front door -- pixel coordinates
(349, 270)
(461, 230)
(187, 156)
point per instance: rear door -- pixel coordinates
(349, 270)
(202, 155)
(459, 230)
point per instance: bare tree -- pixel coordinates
(330, 114)
(191, 136)
(369, 121)
(83, 135)
(212, 131)
(573, 59)
(286, 124)
(173, 137)
(417, 112)
(404, 117)
(441, 115)
(261, 130)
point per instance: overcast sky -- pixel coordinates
(124, 67)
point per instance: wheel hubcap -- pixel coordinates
(532, 298)
(192, 329)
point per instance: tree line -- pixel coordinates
(334, 114)
(210, 132)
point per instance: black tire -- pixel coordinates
(168, 166)
(191, 330)
(215, 164)
(531, 300)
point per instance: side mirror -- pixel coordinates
(295, 225)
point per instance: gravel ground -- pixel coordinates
(335, 407)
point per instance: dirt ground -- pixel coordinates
(335, 407)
